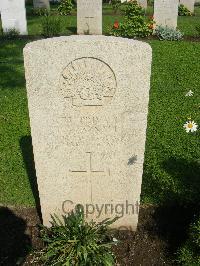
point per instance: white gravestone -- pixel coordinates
(89, 17)
(13, 15)
(189, 4)
(166, 13)
(143, 3)
(41, 4)
(88, 104)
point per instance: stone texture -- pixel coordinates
(143, 3)
(188, 3)
(88, 104)
(89, 17)
(41, 4)
(166, 12)
(13, 15)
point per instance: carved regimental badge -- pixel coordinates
(88, 82)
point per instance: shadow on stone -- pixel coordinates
(28, 157)
(14, 243)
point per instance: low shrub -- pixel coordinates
(74, 241)
(183, 11)
(10, 33)
(65, 7)
(169, 34)
(189, 254)
(115, 5)
(135, 23)
(51, 26)
(40, 11)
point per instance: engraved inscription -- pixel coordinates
(88, 82)
(91, 4)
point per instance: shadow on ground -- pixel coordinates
(180, 206)
(14, 242)
(28, 157)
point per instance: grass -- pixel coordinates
(172, 156)
(172, 165)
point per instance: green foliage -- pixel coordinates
(74, 241)
(183, 11)
(65, 7)
(40, 11)
(169, 34)
(150, 2)
(11, 33)
(198, 29)
(115, 5)
(135, 24)
(189, 254)
(51, 26)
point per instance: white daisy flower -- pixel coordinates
(190, 126)
(189, 93)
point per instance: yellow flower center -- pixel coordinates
(190, 125)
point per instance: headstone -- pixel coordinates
(166, 13)
(189, 4)
(143, 3)
(88, 106)
(13, 15)
(41, 4)
(89, 17)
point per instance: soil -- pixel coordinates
(159, 233)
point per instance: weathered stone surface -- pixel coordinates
(188, 3)
(88, 104)
(143, 3)
(41, 4)
(89, 17)
(166, 12)
(13, 15)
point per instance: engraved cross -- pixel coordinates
(89, 171)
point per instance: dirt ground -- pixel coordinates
(160, 232)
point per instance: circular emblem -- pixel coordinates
(88, 82)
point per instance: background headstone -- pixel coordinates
(41, 4)
(89, 17)
(189, 4)
(166, 12)
(88, 106)
(143, 3)
(13, 15)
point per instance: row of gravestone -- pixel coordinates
(89, 14)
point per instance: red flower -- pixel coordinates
(116, 25)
